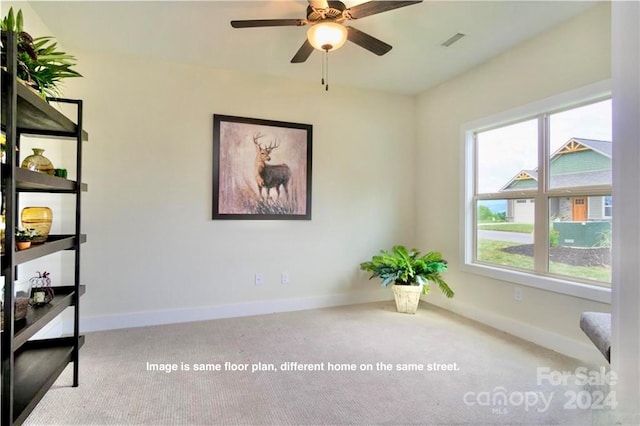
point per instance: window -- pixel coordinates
(539, 192)
(607, 204)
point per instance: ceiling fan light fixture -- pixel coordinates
(327, 36)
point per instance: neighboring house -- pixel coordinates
(577, 163)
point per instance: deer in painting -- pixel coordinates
(269, 175)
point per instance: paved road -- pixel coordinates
(514, 237)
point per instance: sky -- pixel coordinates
(505, 151)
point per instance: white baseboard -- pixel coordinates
(538, 336)
(142, 319)
(544, 338)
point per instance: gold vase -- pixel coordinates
(38, 218)
(38, 162)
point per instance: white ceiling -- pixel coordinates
(199, 33)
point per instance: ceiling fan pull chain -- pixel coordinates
(326, 58)
(322, 81)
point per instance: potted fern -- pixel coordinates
(410, 273)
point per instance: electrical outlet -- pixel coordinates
(259, 279)
(284, 278)
(517, 294)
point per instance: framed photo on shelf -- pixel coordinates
(261, 169)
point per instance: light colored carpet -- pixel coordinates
(117, 388)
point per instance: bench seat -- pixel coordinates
(597, 326)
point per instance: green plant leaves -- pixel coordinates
(407, 267)
(40, 63)
(19, 22)
(8, 23)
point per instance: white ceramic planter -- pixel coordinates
(407, 297)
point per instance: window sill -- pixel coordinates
(556, 285)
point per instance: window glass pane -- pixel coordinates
(507, 158)
(580, 146)
(504, 232)
(580, 237)
(607, 208)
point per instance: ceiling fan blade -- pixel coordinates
(372, 7)
(303, 53)
(252, 23)
(368, 42)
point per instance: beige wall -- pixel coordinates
(152, 244)
(568, 57)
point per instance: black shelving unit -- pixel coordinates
(30, 367)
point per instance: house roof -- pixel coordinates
(587, 178)
(599, 177)
(520, 176)
(574, 144)
(603, 147)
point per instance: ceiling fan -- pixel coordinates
(327, 31)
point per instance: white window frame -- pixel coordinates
(573, 99)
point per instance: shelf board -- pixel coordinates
(35, 115)
(38, 317)
(36, 367)
(30, 181)
(54, 244)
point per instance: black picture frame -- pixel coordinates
(261, 169)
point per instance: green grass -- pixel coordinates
(490, 251)
(596, 273)
(524, 228)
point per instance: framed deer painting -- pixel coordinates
(261, 169)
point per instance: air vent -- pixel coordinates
(453, 39)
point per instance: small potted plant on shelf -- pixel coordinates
(410, 273)
(24, 237)
(41, 65)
